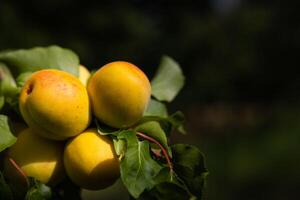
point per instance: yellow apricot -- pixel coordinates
(55, 104)
(18, 127)
(90, 160)
(37, 157)
(119, 93)
(84, 75)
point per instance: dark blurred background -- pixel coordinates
(240, 58)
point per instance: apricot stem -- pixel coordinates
(164, 151)
(21, 172)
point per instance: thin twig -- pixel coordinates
(164, 151)
(16, 166)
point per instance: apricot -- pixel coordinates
(55, 104)
(90, 160)
(37, 157)
(119, 94)
(18, 127)
(84, 75)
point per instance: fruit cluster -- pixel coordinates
(59, 137)
(60, 127)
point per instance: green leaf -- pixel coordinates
(7, 138)
(9, 92)
(38, 191)
(22, 78)
(138, 169)
(189, 156)
(176, 120)
(2, 101)
(38, 58)
(168, 187)
(103, 129)
(13, 104)
(168, 80)
(120, 146)
(8, 86)
(188, 179)
(156, 108)
(170, 191)
(5, 191)
(190, 166)
(154, 130)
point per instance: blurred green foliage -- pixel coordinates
(242, 89)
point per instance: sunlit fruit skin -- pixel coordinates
(37, 157)
(84, 75)
(90, 160)
(119, 93)
(55, 104)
